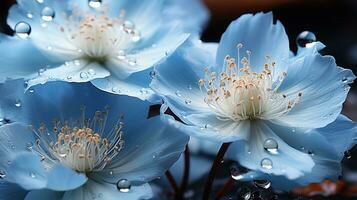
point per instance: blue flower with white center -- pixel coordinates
(73, 141)
(250, 91)
(113, 44)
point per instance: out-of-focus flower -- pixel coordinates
(113, 44)
(81, 143)
(270, 104)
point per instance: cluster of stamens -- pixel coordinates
(238, 93)
(80, 146)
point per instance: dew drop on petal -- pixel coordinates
(91, 72)
(178, 93)
(189, 87)
(29, 15)
(266, 163)
(123, 185)
(188, 102)
(344, 79)
(95, 3)
(2, 174)
(29, 145)
(305, 38)
(244, 193)
(39, 1)
(32, 175)
(83, 75)
(262, 183)
(135, 36)
(128, 26)
(132, 62)
(22, 30)
(271, 146)
(153, 74)
(121, 55)
(115, 90)
(18, 103)
(348, 154)
(47, 14)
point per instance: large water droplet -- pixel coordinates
(262, 183)
(305, 38)
(123, 185)
(47, 14)
(18, 103)
(95, 3)
(271, 146)
(23, 30)
(244, 193)
(266, 163)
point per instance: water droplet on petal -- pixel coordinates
(31, 90)
(305, 38)
(91, 72)
(135, 36)
(244, 193)
(262, 183)
(23, 30)
(32, 175)
(95, 3)
(116, 90)
(2, 174)
(47, 14)
(83, 75)
(188, 102)
(123, 185)
(18, 103)
(29, 15)
(153, 74)
(266, 163)
(143, 91)
(344, 79)
(178, 93)
(132, 62)
(128, 26)
(271, 146)
(121, 55)
(348, 154)
(189, 87)
(29, 146)
(40, 1)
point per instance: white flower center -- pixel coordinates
(237, 93)
(98, 38)
(80, 146)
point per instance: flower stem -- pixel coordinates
(214, 168)
(228, 185)
(172, 181)
(186, 172)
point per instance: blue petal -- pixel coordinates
(11, 191)
(258, 34)
(153, 143)
(324, 87)
(107, 191)
(27, 171)
(16, 138)
(43, 194)
(61, 178)
(287, 161)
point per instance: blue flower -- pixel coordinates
(73, 141)
(113, 44)
(250, 91)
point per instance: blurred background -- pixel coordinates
(334, 22)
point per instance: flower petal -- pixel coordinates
(286, 160)
(324, 87)
(155, 145)
(259, 35)
(76, 71)
(61, 178)
(43, 194)
(108, 192)
(11, 191)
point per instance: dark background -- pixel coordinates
(334, 23)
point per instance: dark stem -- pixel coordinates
(228, 185)
(172, 181)
(214, 168)
(186, 172)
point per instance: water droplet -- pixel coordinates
(135, 36)
(188, 102)
(116, 90)
(123, 185)
(348, 154)
(178, 93)
(132, 62)
(95, 3)
(23, 30)
(244, 193)
(143, 91)
(83, 75)
(189, 87)
(262, 183)
(32, 175)
(41, 71)
(128, 26)
(69, 77)
(91, 72)
(121, 55)
(271, 146)
(49, 47)
(40, 1)
(305, 38)
(344, 79)
(293, 130)
(18, 103)
(266, 163)
(31, 90)
(29, 146)
(47, 14)
(77, 62)
(2, 174)
(153, 74)
(29, 15)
